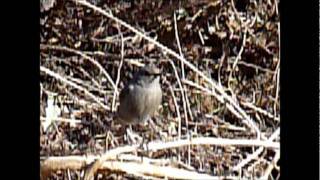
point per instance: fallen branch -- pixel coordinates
(155, 146)
(159, 171)
(111, 153)
(152, 146)
(79, 162)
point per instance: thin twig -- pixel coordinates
(272, 165)
(119, 70)
(260, 110)
(134, 62)
(278, 73)
(223, 125)
(256, 153)
(85, 73)
(59, 77)
(220, 66)
(109, 55)
(239, 55)
(200, 37)
(91, 78)
(69, 176)
(184, 96)
(86, 85)
(189, 150)
(235, 11)
(102, 54)
(276, 4)
(218, 97)
(178, 114)
(155, 146)
(277, 94)
(89, 174)
(112, 39)
(61, 119)
(134, 158)
(256, 67)
(206, 90)
(181, 90)
(178, 42)
(255, 16)
(61, 48)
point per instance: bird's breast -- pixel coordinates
(150, 97)
(139, 102)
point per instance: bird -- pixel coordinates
(141, 97)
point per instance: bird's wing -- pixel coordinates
(125, 92)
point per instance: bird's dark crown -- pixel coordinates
(150, 70)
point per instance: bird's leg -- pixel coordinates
(134, 138)
(145, 139)
(152, 124)
(146, 121)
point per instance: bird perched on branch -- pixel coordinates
(141, 97)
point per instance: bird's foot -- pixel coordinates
(133, 138)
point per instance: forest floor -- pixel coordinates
(220, 113)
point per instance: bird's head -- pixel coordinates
(149, 74)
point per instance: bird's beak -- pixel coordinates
(157, 72)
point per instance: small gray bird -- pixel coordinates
(141, 97)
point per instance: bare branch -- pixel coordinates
(119, 70)
(62, 120)
(98, 163)
(60, 48)
(59, 77)
(138, 169)
(256, 153)
(154, 146)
